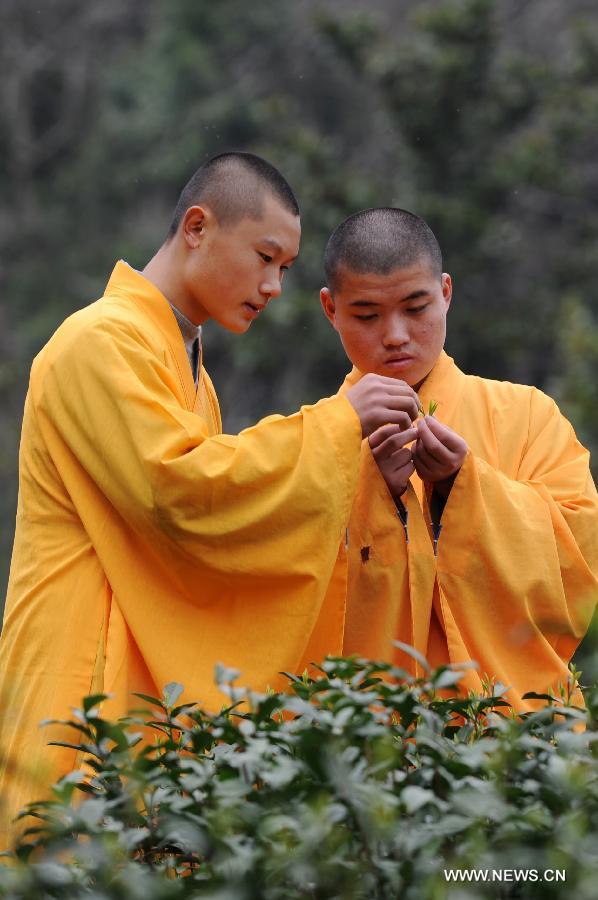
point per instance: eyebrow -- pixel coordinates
(415, 295)
(274, 245)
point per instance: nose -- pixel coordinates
(396, 333)
(271, 288)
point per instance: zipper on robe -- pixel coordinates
(403, 515)
(436, 529)
(433, 507)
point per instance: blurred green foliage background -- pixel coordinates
(480, 115)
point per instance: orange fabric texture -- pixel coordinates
(149, 546)
(514, 582)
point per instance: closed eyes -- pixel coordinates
(413, 309)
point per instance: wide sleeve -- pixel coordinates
(518, 556)
(277, 492)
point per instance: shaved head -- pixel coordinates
(378, 241)
(234, 186)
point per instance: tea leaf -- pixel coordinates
(172, 692)
(326, 790)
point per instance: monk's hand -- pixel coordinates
(393, 457)
(438, 454)
(379, 400)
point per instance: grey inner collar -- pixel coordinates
(192, 338)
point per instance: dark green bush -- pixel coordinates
(359, 783)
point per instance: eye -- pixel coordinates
(265, 257)
(417, 309)
(367, 318)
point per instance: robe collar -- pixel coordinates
(444, 385)
(131, 285)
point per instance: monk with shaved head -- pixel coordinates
(475, 543)
(149, 546)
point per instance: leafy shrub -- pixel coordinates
(359, 783)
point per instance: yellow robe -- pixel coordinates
(148, 545)
(514, 582)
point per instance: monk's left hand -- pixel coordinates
(438, 454)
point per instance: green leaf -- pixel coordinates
(185, 708)
(534, 695)
(295, 678)
(415, 654)
(415, 797)
(225, 675)
(448, 678)
(66, 744)
(94, 700)
(153, 700)
(172, 692)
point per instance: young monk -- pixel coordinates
(478, 540)
(149, 546)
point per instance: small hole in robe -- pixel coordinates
(365, 554)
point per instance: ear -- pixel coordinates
(327, 301)
(447, 288)
(194, 224)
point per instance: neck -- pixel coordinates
(164, 270)
(416, 387)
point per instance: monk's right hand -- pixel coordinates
(393, 457)
(379, 400)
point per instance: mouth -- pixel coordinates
(254, 309)
(398, 362)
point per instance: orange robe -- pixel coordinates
(514, 582)
(148, 545)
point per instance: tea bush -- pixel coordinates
(360, 782)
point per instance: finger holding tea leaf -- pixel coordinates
(438, 454)
(393, 457)
(390, 438)
(377, 399)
